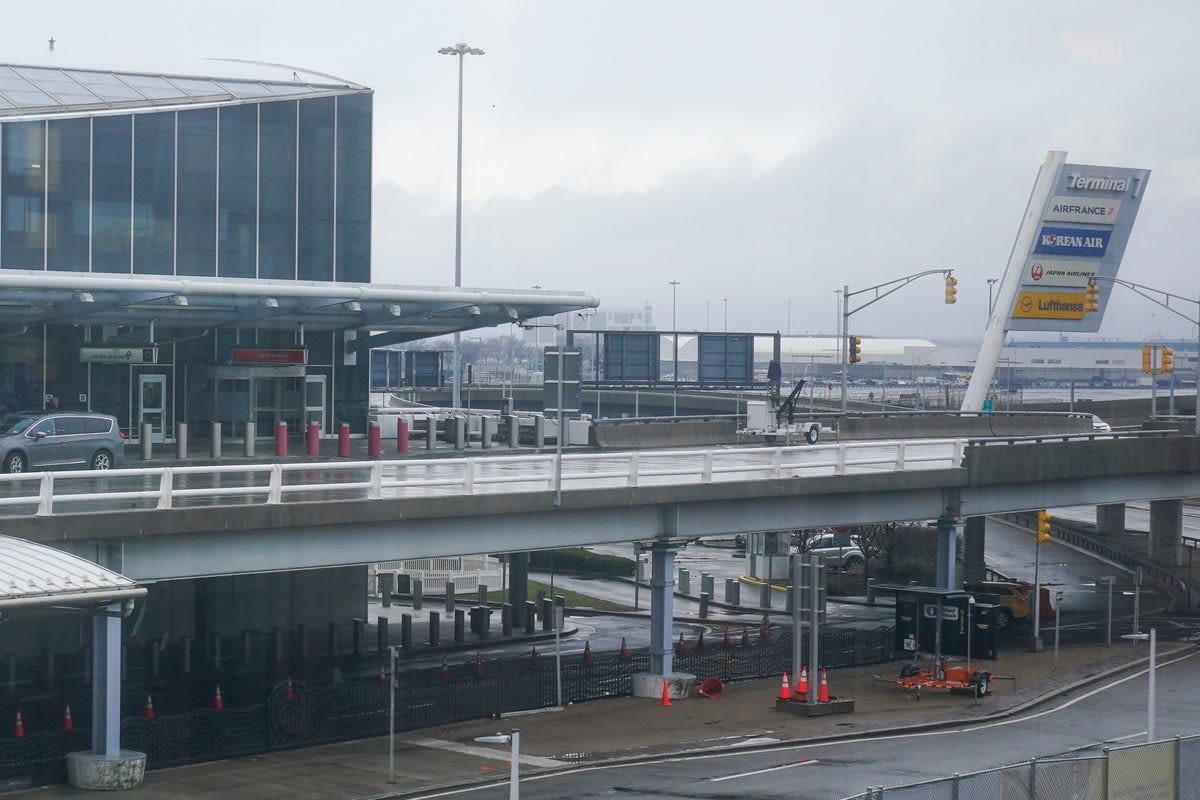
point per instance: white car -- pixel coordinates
(1100, 426)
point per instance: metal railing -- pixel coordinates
(50, 493)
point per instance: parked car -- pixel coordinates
(45, 440)
(1013, 598)
(838, 549)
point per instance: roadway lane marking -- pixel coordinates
(763, 771)
(486, 752)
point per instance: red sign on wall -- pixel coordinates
(268, 356)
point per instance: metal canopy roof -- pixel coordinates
(36, 576)
(38, 91)
(34, 297)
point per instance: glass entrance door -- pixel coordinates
(314, 401)
(152, 406)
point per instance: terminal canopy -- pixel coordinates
(34, 576)
(34, 297)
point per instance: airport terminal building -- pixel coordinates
(194, 249)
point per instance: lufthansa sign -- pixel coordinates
(1053, 241)
(1083, 209)
(1049, 305)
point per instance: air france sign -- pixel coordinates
(1072, 242)
(1095, 210)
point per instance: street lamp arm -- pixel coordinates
(1144, 291)
(892, 286)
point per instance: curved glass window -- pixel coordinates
(196, 249)
(354, 188)
(237, 184)
(112, 187)
(68, 159)
(22, 206)
(154, 194)
(315, 223)
(277, 190)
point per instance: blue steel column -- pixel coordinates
(106, 683)
(662, 606)
(947, 539)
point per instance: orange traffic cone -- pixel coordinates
(745, 637)
(587, 652)
(289, 694)
(19, 726)
(218, 703)
(148, 711)
(624, 649)
(725, 643)
(700, 643)
(533, 658)
(666, 697)
(785, 693)
(67, 723)
(823, 691)
(801, 693)
(764, 630)
(681, 648)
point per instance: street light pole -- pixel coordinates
(674, 355)
(725, 300)
(461, 50)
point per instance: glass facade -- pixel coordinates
(276, 189)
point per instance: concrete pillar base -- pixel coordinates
(679, 685)
(94, 771)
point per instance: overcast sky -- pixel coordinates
(759, 153)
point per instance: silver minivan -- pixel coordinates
(44, 440)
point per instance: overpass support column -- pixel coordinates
(662, 676)
(974, 540)
(1166, 532)
(947, 551)
(1110, 519)
(518, 586)
(106, 765)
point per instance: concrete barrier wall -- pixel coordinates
(685, 433)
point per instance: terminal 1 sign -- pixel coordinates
(1083, 227)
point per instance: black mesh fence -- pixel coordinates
(296, 713)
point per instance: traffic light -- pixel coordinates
(1147, 364)
(1043, 527)
(951, 290)
(1091, 298)
(853, 349)
(1168, 360)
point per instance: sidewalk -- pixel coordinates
(626, 729)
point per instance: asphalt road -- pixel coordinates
(1112, 713)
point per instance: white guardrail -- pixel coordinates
(49, 493)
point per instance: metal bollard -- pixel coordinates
(539, 432)
(870, 591)
(406, 631)
(460, 432)
(449, 596)
(381, 634)
(374, 444)
(430, 433)
(386, 579)
(514, 431)
(312, 439)
(707, 584)
(435, 629)
(402, 437)
(343, 440)
(181, 440)
(147, 441)
(485, 432)
(506, 618)
(215, 443)
(764, 596)
(482, 590)
(733, 591)
(249, 445)
(704, 597)
(685, 581)
(418, 594)
(281, 440)
(460, 625)
(530, 616)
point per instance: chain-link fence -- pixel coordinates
(356, 703)
(1169, 769)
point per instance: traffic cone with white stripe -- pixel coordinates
(823, 690)
(218, 703)
(19, 725)
(801, 693)
(68, 724)
(148, 711)
(289, 693)
(785, 693)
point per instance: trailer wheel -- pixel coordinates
(908, 670)
(769, 438)
(982, 682)
(812, 434)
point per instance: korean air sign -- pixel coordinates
(1072, 242)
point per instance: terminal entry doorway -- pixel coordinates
(265, 396)
(314, 402)
(152, 406)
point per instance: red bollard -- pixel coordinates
(281, 440)
(312, 440)
(374, 444)
(343, 440)
(402, 437)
